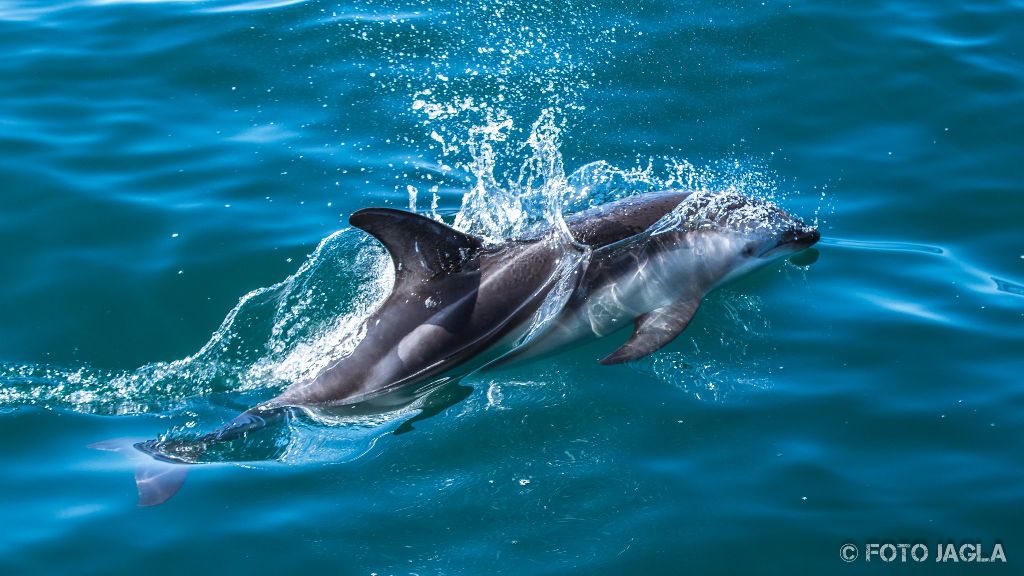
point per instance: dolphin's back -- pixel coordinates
(454, 298)
(615, 221)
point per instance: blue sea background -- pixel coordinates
(175, 182)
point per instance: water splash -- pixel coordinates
(496, 210)
(273, 336)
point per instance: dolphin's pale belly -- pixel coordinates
(608, 302)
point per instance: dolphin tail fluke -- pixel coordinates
(161, 465)
(156, 480)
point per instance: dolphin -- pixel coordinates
(460, 303)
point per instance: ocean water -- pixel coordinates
(175, 182)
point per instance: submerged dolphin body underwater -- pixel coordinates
(459, 304)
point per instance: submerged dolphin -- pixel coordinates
(458, 303)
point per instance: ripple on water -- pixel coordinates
(1008, 286)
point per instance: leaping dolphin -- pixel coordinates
(459, 303)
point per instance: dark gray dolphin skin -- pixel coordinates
(458, 303)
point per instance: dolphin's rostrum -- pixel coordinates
(459, 303)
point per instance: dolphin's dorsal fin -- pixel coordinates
(419, 247)
(654, 330)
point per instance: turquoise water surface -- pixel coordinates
(175, 183)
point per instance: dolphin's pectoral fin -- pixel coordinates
(419, 247)
(654, 330)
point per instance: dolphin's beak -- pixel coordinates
(794, 240)
(801, 238)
